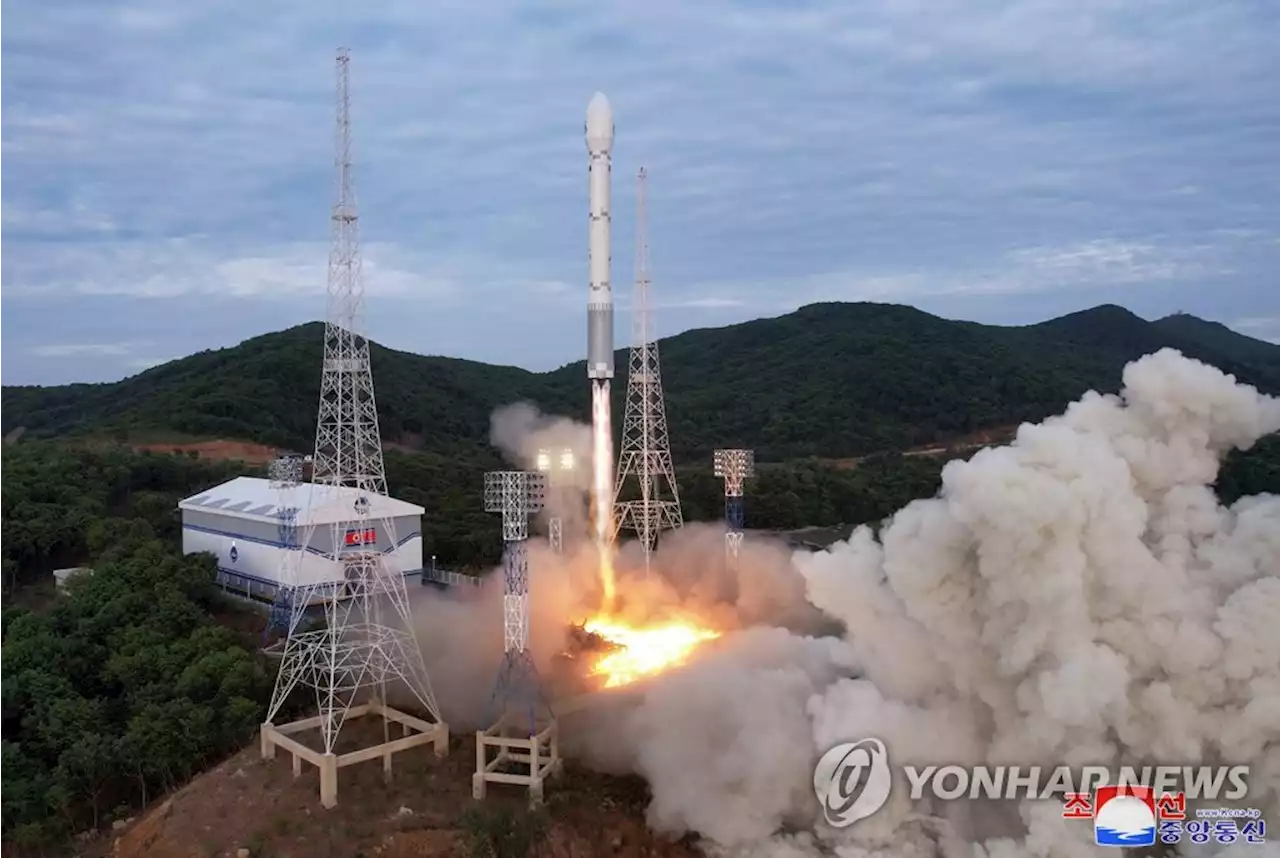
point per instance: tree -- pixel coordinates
(126, 685)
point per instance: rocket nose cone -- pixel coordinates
(599, 122)
(599, 106)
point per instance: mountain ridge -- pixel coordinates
(829, 379)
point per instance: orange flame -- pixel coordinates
(639, 651)
(644, 651)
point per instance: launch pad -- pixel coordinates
(534, 752)
(415, 732)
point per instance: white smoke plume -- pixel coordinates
(1077, 597)
(688, 576)
(460, 631)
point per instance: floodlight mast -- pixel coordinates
(734, 467)
(516, 495)
(524, 734)
(558, 471)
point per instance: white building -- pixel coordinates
(62, 576)
(246, 524)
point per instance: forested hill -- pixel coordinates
(831, 380)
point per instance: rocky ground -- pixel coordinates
(245, 451)
(251, 808)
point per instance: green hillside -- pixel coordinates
(1221, 339)
(266, 389)
(829, 380)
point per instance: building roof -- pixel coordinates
(256, 499)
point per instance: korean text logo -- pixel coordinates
(1127, 815)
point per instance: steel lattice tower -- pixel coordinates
(524, 738)
(734, 467)
(348, 446)
(360, 646)
(646, 449)
(285, 474)
(516, 495)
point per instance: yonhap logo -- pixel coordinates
(852, 781)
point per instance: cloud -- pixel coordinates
(126, 357)
(145, 363)
(1260, 327)
(879, 148)
(1101, 263)
(1114, 261)
(62, 350)
(708, 303)
(193, 267)
(78, 216)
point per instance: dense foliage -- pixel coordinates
(456, 528)
(124, 686)
(55, 497)
(831, 380)
(1253, 472)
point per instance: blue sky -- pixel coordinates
(167, 166)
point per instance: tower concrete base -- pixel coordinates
(537, 756)
(414, 732)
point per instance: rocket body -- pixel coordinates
(599, 132)
(600, 334)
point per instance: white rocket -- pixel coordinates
(600, 295)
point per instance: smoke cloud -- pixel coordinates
(460, 630)
(1077, 597)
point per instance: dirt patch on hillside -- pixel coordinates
(961, 444)
(426, 811)
(408, 442)
(245, 451)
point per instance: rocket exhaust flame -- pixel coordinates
(602, 487)
(640, 652)
(637, 651)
